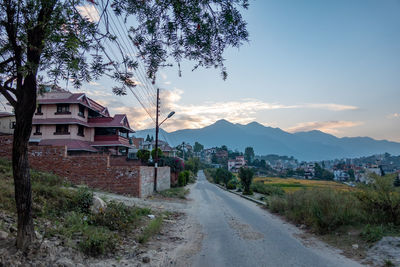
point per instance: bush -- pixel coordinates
(183, 178)
(372, 233)
(267, 189)
(277, 204)
(83, 199)
(97, 241)
(323, 209)
(152, 228)
(231, 185)
(178, 192)
(118, 216)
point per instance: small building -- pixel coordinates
(7, 123)
(235, 164)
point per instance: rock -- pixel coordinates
(354, 246)
(151, 216)
(38, 235)
(64, 262)
(98, 205)
(146, 259)
(3, 235)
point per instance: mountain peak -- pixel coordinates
(222, 122)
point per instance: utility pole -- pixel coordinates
(156, 148)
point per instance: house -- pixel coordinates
(341, 175)
(167, 150)
(235, 164)
(81, 124)
(7, 123)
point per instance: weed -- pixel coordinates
(152, 228)
(177, 192)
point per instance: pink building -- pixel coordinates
(80, 123)
(235, 164)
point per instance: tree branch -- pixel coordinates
(5, 62)
(7, 95)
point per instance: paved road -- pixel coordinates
(239, 233)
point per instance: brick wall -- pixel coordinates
(96, 170)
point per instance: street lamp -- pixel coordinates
(156, 148)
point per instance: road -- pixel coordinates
(237, 232)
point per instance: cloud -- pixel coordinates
(89, 12)
(94, 83)
(394, 116)
(331, 127)
(333, 107)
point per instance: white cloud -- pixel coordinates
(332, 127)
(333, 107)
(89, 12)
(394, 116)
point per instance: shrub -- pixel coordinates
(118, 216)
(246, 177)
(267, 189)
(83, 199)
(178, 192)
(231, 185)
(277, 204)
(152, 228)
(181, 179)
(97, 241)
(323, 209)
(372, 233)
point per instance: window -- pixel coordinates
(12, 125)
(105, 131)
(63, 109)
(61, 129)
(37, 130)
(81, 130)
(123, 133)
(39, 110)
(81, 111)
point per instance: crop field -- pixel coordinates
(293, 184)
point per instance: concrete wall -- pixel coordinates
(147, 179)
(6, 125)
(96, 170)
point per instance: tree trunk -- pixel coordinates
(22, 180)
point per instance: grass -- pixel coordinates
(293, 184)
(177, 192)
(152, 228)
(68, 212)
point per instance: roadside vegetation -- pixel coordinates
(66, 213)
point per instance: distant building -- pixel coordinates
(7, 123)
(235, 164)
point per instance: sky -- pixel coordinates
(332, 66)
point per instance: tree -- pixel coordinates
(249, 154)
(148, 139)
(246, 177)
(160, 154)
(143, 155)
(193, 165)
(223, 175)
(198, 147)
(51, 36)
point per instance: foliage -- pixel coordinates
(118, 216)
(380, 199)
(198, 147)
(152, 228)
(176, 164)
(372, 233)
(192, 164)
(178, 192)
(222, 176)
(322, 173)
(231, 185)
(396, 182)
(246, 176)
(267, 189)
(97, 241)
(83, 199)
(143, 155)
(183, 178)
(160, 154)
(249, 154)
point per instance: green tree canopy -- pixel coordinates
(246, 177)
(198, 147)
(143, 155)
(249, 154)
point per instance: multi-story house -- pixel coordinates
(74, 120)
(7, 123)
(235, 164)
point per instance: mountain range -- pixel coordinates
(309, 146)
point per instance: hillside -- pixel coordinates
(312, 145)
